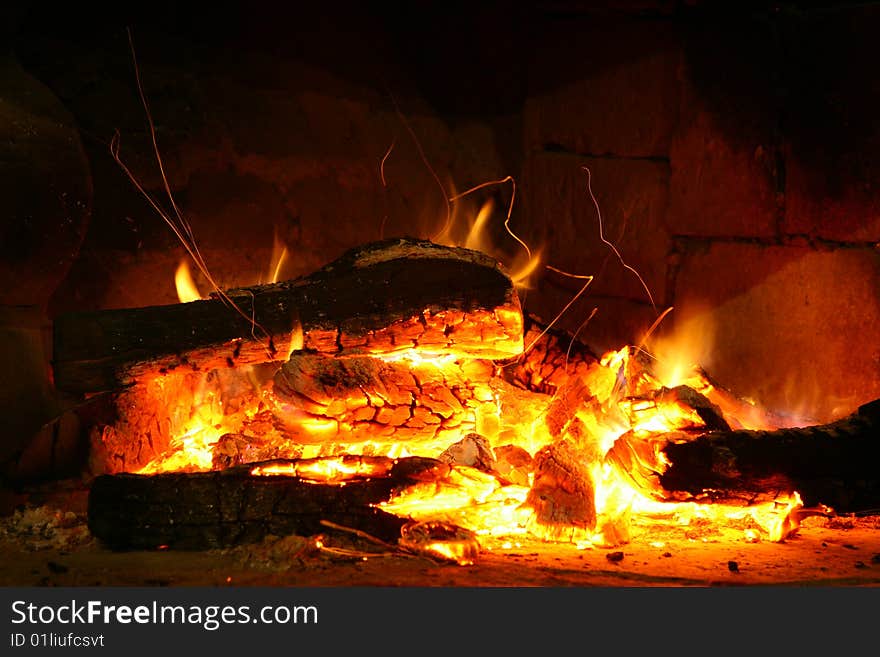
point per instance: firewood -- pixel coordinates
(513, 464)
(554, 358)
(380, 298)
(473, 450)
(206, 510)
(562, 495)
(361, 398)
(833, 464)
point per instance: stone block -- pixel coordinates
(832, 134)
(721, 185)
(562, 220)
(796, 329)
(725, 177)
(46, 187)
(603, 87)
(839, 202)
(616, 323)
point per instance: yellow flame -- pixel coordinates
(489, 505)
(473, 232)
(186, 287)
(688, 345)
(191, 450)
(325, 470)
(278, 259)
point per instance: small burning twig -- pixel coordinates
(357, 532)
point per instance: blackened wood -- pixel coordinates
(219, 509)
(834, 464)
(377, 298)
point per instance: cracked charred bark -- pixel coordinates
(207, 510)
(378, 298)
(833, 464)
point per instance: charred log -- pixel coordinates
(833, 464)
(553, 359)
(513, 464)
(361, 398)
(379, 298)
(218, 509)
(562, 495)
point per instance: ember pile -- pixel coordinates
(400, 393)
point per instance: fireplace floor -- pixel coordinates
(48, 546)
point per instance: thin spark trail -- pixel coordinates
(182, 230)
(653, 327)
(589, 279)
(610, 245)
(574, 337)
(427, 164)
(507, 227)
(385, 187)
(382, 163)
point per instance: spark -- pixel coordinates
(610, 245)
(427, 164)
(574, 337)
(651, 329)
(507, 227)
(385, 187)
(382, 163)
(588, 279)
(182, 229)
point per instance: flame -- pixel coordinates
(278, 259)
(468, 498)
(191, 450)
(689, 345)
(187, 290)
(473, 231)
(483, 503)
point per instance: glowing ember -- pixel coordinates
(327, 470)
(441, 540)
(488, 503)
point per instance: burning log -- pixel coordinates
(553, 360)
(474, 451)
(562, 494)
(513, 464)
(380, 298)
(244, 504)
(362, 398)
(833, 464)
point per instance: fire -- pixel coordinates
(478, 501)
(278, 260)
(474, 231)
(187, 290)
(333, 470)
(347, 419)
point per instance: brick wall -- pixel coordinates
(733, 158)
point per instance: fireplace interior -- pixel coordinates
(544, 293)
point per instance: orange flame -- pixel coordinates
(187, 290)
(473, 231)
